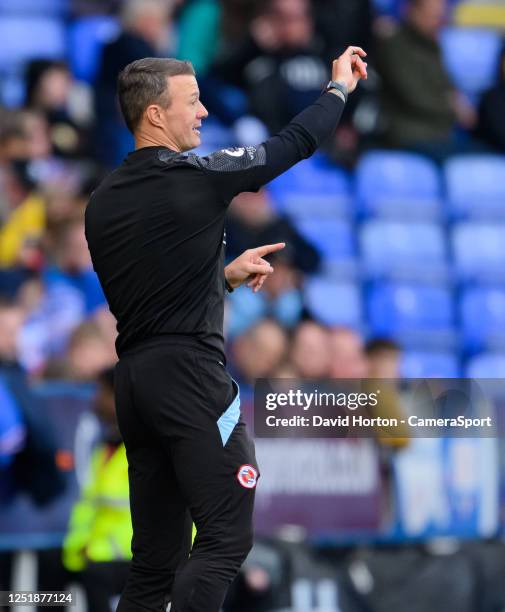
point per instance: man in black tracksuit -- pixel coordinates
(155, 230)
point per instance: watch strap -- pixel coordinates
(340, 87)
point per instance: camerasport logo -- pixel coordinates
(247, 476)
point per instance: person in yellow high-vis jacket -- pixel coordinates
(100, 525)
(98, 542)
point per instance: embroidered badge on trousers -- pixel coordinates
(247, 476)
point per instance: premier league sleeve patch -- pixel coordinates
(247, 476)
(234, 159)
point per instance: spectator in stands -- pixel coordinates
(13, 141)
(383, 358)
(24, 136)
(278, 64)
(12, 439)
(420, 105)
(52, 316)
(49, 90)
(108, 326)
(341, 21)
(259, 351)
(23, 221)
(383, 363)
(252, 220)
(347, 354)
(99, 535)
(337, 22)
(238, 16)
(146, 25)
(23, 139)
(11, 320)
(280, 299)
(310, 351)
(89, 352)
(65, 196)
(491, 126)
(37, 134)
(71, 264)
(36, 471)
(12, 428)
(199, 33)
(69, 292)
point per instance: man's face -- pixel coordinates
(183, 118)
(347, 356)
(293, 23)
(11, 320)
(428, 16)
(311, 351)
(105, 406)
(384, 364)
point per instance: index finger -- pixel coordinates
(359, 65)
(269, 248)
(355, 51)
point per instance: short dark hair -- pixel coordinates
(379, 345)
(144, 82)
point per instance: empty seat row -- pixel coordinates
(470, 251)
(395, 184)
(442, 364)
(416, 315)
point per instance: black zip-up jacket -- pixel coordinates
(155, 228)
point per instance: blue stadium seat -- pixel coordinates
(391, 8)
(486, 365)
(398, 185)
(334, 303)
(312, 188)
(34, 7)
(407, 251)
(335, 240)
(87, 36)
(417, 316)
(479, 251)
(475, 186)
(471, 57)
(26, 38)
(429, 364)
(483, 318)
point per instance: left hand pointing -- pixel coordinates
(250, 266)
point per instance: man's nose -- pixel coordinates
(203, 113)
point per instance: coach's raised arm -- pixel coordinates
(248, 168)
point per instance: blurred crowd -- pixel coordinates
(258, 63)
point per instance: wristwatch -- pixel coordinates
(340, 87)
(229, 288)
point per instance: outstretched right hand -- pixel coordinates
(349, 68)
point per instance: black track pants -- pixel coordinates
(187, 449)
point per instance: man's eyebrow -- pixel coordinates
(195, 94)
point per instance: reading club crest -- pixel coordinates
(247, 476)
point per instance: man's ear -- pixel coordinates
(153, 114)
